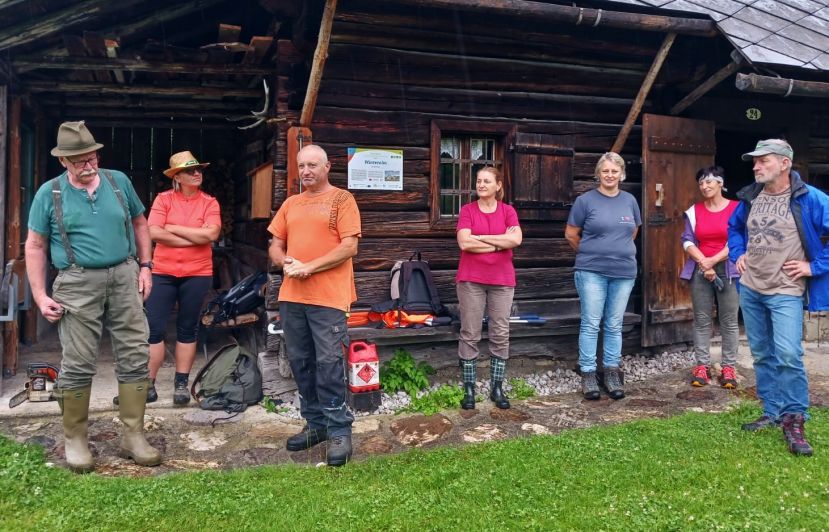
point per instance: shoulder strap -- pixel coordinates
(56, 199)
(127, 217)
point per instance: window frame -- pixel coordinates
(502, 132)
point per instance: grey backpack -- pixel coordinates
(230, 381)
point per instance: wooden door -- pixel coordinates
(673, 150)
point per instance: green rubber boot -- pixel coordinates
(75, 407)
(132, 401)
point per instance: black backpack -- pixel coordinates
(245, 296)
(230, 381)
(414, 285)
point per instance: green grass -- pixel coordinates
(695, 471)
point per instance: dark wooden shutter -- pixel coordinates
(542, 175)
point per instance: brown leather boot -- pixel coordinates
(75, 406)
(132, 401)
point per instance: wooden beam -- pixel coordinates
(12, 250)
(298, 137)
(574, 15)
(100, 88)
(206, 113)
(122, 32)
(143, 104)
(633, 115)
(137, 65)
(4, 128)
(320, 56)
(158, 123)
(706, 86)
(59, 21)
(781, 86)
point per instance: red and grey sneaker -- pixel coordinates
(728, 379)
(701, 376)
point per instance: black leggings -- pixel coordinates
(189, 292)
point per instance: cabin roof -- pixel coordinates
(774, 32)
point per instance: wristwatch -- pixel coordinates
(148, 264)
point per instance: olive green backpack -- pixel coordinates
(230, 381)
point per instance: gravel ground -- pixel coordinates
(552, 382)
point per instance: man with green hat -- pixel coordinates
(92, 222)
(774, 238)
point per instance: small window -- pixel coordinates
(461, 152)
(461, 156)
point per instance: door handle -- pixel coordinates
(660, 194)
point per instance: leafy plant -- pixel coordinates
(433, 402)
(520, 389)
(272, 407)
(401, 372)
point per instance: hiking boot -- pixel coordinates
(498, 396)
(613, 379)
(590, 385)
(762, 422)
(701, 376)
(152, 395)
(339, 450)
(793, 432)
(306, 439)
(181, 395)
(728, 379)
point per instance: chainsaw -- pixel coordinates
(39, 388)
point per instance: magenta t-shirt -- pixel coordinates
(487, 268)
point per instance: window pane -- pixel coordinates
(489, 153)
(476, 149)
(449, 204)
(450, 148)
(447, 175)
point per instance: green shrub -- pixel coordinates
(520, 389)
(433, 402)
(401, 372)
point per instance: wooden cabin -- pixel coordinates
(539, 89)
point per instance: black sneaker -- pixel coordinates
(339, 450)
(762, 422)
(306, 439)
(152, 395)
(181, 395)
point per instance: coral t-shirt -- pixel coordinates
(312, 226)
(711, 228)
(172, 207)
(494, 268)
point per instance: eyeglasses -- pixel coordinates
(92, 161)
(191, 171)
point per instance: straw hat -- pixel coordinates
(74, 139)
(182, 161)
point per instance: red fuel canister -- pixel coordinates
(363, 367)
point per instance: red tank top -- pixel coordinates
(712, 227)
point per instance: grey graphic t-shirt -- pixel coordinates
(772, 240)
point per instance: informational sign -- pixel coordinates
(375, 169)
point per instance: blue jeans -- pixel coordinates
(774, 326)
(602, 297)
(316, 338)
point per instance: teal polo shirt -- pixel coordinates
(95, 225)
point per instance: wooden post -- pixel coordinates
(12, 251)
(298, 137)
(633, 115)
(320, 56)
(3, 144)
(706, 86)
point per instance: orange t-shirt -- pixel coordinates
(171, 207)
(313, 226)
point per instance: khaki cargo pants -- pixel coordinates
(92, 299)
